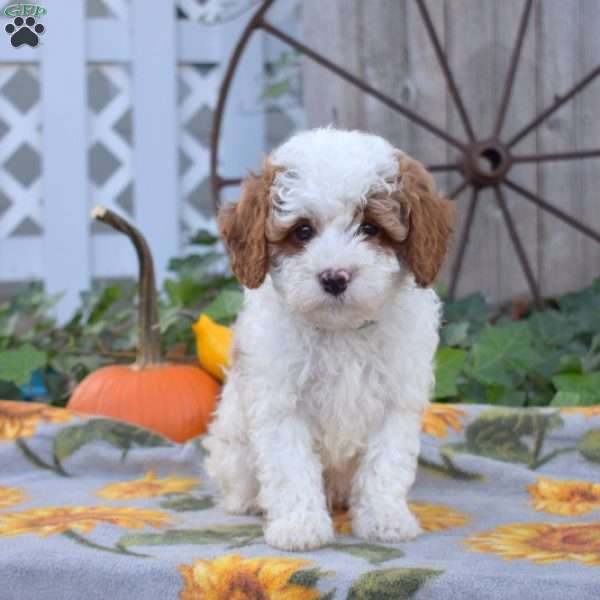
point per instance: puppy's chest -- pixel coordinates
(343, 392)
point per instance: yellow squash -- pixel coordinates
(213, 344)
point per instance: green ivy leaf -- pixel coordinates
(9, 391)
(548, 361)
(582, 308)
(505, 396)
(67, 363)
(551, 327)
(185, 291)
(471, 391)
(591, 361)
(501, 353)
(390, 584)
(587, 299)
(168, 317)
(472, 308)
(566, 399)
(96, 304)
(108, 296)
(120, 435)
(570, 363)
(449, 363)
(455, 334)
(225, 306)
(8, 325)
(373, 553)
(194, 265)
(17, 366)
(587, 387)
(203, 238)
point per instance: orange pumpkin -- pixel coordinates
(174, 400)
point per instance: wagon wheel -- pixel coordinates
(484, 161)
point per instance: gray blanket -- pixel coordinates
(95, 509)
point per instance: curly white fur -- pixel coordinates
(323, 402)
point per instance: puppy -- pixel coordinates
(335, 243)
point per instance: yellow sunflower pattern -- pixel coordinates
(438, 517)
(147, 487)
(438, 419)
(231, 577)
(565, 498)
(432, 517)
(53, 520)
(542, 543)
(20, 419)
(10, 496)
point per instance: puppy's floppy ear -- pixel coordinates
(430, 221)
(242, 226)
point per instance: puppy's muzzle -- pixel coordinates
(335, 281)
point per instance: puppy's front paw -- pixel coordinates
(300, 532)
(385, 525)
(240, 505)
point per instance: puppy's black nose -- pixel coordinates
(335, 281)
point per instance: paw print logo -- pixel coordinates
(24, 31)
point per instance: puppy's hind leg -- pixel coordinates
(230, 464)
(231, 459)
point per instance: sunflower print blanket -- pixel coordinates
(509, 501)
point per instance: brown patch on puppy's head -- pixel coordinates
(390, 216)
(414, 221)
(282, 241)
(243, 227)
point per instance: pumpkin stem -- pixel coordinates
(148, 352)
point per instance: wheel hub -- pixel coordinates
(486, 163)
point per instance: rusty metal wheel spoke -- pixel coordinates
(441, 57)
(360, 84)
(560, 100)
(229, 181)
(464, 242)
(521, 254)
(216, 181)
(553, 210)
(512, 68)
(446, 167)
(575, 155)
(453, 194)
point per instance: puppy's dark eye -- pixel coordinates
(304, 232)
(368, 229)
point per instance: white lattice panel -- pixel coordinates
(199, 91)
(110, 139)
(20, 158)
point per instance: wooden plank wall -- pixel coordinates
(385, 42)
